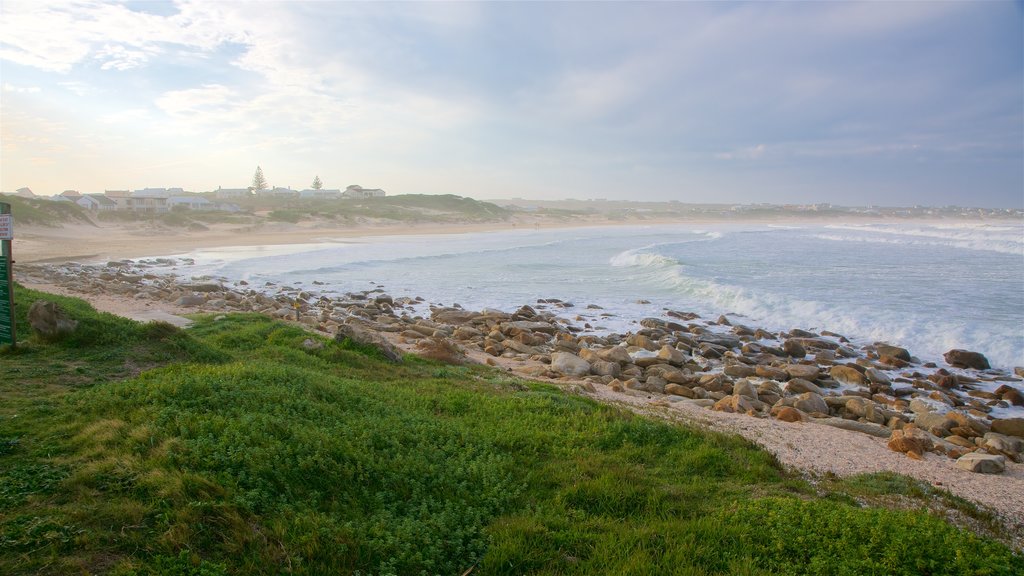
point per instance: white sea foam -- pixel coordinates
(1003, 239)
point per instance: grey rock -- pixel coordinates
(982, 463)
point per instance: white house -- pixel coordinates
(96, 203)
(277, 192)
(323, 194)
(357, 191)
(190, 202)
(225, 193)
(150, 199)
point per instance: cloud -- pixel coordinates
(56, 36)
(8, 87)
(749, 153)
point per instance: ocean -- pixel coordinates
(928, 287)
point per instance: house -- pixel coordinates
(357, 191)
(120, 197)
(277, 192)
(190, 203)
(225, 193)
(150, 199)
(96, 203)
(72, 195)
(323, 194)
(24, 193)
(227, 207)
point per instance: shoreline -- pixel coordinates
(666, 373)
(117, 241)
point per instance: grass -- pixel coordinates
(45, 212)
(230, 448)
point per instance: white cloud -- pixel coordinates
(8, 87)
(748, 153)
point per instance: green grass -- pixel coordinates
(229, 448)
(42, 212)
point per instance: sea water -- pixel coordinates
(925, 286)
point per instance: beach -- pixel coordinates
(146, 289)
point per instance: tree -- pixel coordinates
(317, 184)
(258, 181)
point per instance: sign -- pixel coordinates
(7, 335)
(6, 315)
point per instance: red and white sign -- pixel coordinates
(6, 227)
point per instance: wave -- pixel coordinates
(928, 337)
(1002, 239)
(646, 257)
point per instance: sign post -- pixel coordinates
(7, 329)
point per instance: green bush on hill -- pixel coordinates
(39, 212)
(234, 447)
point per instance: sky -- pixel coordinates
(875, 103)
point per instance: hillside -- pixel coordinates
(244, 445)
(47, 213)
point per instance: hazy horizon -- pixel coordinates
(889, 104)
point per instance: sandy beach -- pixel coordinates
(811, 448)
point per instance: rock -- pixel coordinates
(738, 370)
(1008, 446)
(569, 364)
(202, 287)
(877, 376)
(790, 414)
(191, 300)
(442, 350)
(799, 386)
(1013, 396)
(364, 336)
(793, 348)
(615, 354)
(892, 351)
(910, 439)
(671, 355)
(965, 359)
(847, 375)
(981, 463)
(603, 368)
(743, 404)
(862, 427)
(1009, 426)
(934, 422)
(744, 388)
(810, 403)
(804, 371)
(770, 372)
(49, 320)
(310, 345)
(679, 390)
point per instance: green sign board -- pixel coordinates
(7, 335)
(6, 314)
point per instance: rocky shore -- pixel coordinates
(964, 413)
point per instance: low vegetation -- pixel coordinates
(246, 446)
(38, 212)
(410, 208)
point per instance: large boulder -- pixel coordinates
(810, 403)
(981, 463)
(794, 349)
(799, 386)
(569, 364)
(847, 375)
(365, 336)
(910, 439)
(49, 320)
(1009, 426)
(892, 351)
(935, 422)
(804, 371)
(966, 359)
(442, 350)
